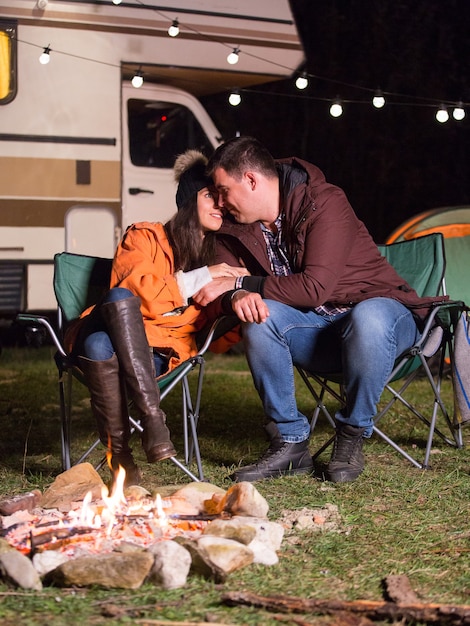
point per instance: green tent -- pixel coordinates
(454, 224)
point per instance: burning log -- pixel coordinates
(440, 614)
(56, 538)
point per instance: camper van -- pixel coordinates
(86, 151)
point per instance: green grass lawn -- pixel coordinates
(396, 519)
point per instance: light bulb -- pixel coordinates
(117, 1)
(302, 81)
(42, 4)
(45, 56)
(459, 112)
(378, 100)
(442, 115)
(235, 98)
(336, 109)
(174, 29)
(233, 56)
(138, 80)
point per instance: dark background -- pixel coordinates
(393, 162)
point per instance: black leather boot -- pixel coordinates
(280, 459)
(109, 407)
(126, 329)
(347, 459)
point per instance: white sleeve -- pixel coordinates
(192, 281)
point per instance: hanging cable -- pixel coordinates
(458, 108)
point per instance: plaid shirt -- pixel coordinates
(280, 266)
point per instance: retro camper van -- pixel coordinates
(83, 152)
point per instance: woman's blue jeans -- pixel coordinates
(96, 343)
(361, 344)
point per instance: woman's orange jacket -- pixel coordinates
(144, 264)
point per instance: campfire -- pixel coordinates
(102, 525)
(100, 528)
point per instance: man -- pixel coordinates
(319, 296)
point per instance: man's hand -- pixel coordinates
(213, 290)
(249, 307)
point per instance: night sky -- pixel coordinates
(393, 162)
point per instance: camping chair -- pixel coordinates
(421, 262)
(79, 282)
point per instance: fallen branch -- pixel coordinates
(440, 614)
(340, 619)
(160, 622)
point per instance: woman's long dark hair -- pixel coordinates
(184, 233)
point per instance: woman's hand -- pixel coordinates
(222, 270)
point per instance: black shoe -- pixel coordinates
(280, 459)
(347, 459)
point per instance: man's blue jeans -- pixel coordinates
(361, 343)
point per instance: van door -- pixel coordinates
(159, 123)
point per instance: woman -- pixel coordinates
(146, 326)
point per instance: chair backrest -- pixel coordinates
(79, 282)
(421, 262)
(458, 262)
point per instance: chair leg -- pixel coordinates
(65, 401)
(191, 417)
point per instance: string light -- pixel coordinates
(233, 56)
(174, 29)
(302, 81)
(235, 98)
(336, 110)
(442, 114)
(117, 1)
(459, 112)
(378, 100)
(138, 79)
(45, 56)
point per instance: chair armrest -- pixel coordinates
(217, 329)
(27, 318)
(448, 313)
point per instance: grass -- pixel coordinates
(396, 519)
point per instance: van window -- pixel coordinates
(7, 61)
(160, 131)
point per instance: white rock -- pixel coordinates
(48, 560)
(171, 565)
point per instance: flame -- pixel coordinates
(115, 502)
(160, 514)
(115, 508)
(87, 515)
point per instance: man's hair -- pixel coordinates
(241, 154)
